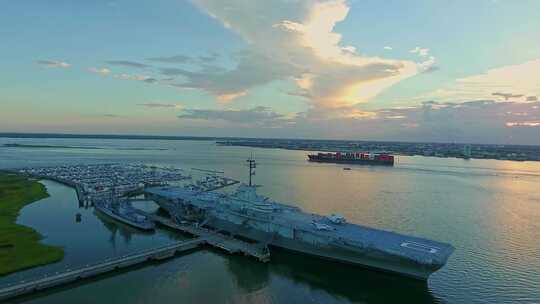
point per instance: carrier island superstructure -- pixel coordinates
(246, 214)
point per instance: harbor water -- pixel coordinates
(488, 209)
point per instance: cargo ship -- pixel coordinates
(360, 158)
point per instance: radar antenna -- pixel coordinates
(252, 165)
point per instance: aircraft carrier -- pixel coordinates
(276, 225)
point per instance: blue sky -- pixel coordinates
(353, 69)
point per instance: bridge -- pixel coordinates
(90, 270)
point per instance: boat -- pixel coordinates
(250, 216)
(124, 213)
(346, 168)
(360, 158)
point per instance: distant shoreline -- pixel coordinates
(436, 149)
(14, 145)
(230, 138)
(106, 136)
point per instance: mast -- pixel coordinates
(252, 165)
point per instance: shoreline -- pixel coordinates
(20, 246)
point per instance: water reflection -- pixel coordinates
(118, 228)
(325, 279)
(353, 283)
(249, 275)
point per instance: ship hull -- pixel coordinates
(353, 256)
(144, 226)
(352, 161)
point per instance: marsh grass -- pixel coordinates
(20, 246)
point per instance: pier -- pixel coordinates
(87, 271)
(226, 243)
(203, 237)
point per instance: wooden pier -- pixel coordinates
(217, 240)
(87, 271)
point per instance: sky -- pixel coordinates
(419, 70)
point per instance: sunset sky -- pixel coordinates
(430, 70)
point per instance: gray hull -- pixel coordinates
(338, 253)
(141, 225)
(341, 254)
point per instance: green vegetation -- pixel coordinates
(19, 245)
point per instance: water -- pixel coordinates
(489, 210)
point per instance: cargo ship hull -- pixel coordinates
(353, 158)
(352, 161)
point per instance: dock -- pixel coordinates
(202, 235)
(90, 270)
(223, 242)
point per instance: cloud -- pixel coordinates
(136, 77)
(129, 64)
(428, 65)
(422, 52)
(160, 105)
(294, 41)
(521, 78)
(507, 96)
(254, 116)
(53, 64)
(229, 97)
(150, 80)
(388, 48)
(480, 121)
(172, 59)
(209, 58)
(173, 71)
(100, 71)
(123, 76)
(531, 123)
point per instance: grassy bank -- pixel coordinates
(19, 245)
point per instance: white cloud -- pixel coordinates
(388, 48)
(422, 52)
(135, 77)
(519, 81)
(157, 105)
(53, 64)
(289, 40)
(100, 71)
(229, 97)
(428, 65)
